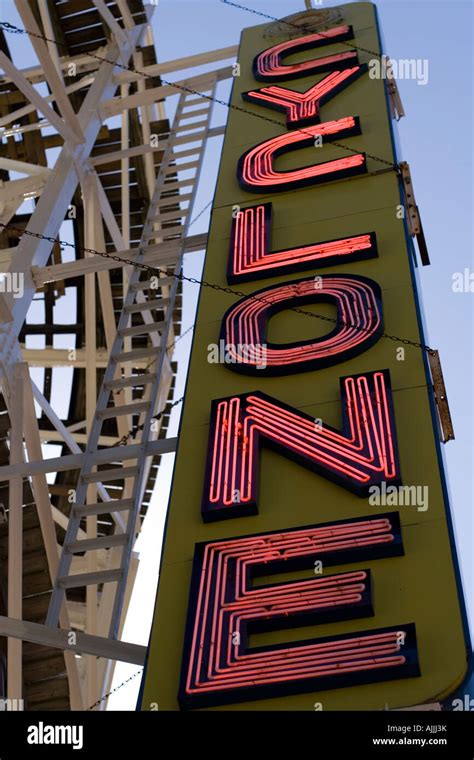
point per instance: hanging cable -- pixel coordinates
(112, 691)
(214, 286)
(299, 29)
(6, 26)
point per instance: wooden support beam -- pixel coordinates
(147, 115)
(117, 454)
(50, 35)
(85, 65)
(115, 28)
(54, 80)
(43, 506)
(13, 116)
(120, 243)
(41, 105)
(120, 155)
(15, 191)
(61, 357)
(66, 436)
(115, 106)
(60, 639)
(126, 15)
(91, 236)
(61, 519)
(125, 208)
(106, 667)
(101, 206)
(54, 436)
(53, 204)
(165, 252)
(5, 313)
(15, 538)
(22, 167)
(188, 62)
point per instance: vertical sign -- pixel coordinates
(308, 554)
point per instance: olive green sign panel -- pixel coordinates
(422, 586)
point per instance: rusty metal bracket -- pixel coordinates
(396, 106)
(415, 226)
(444, 415)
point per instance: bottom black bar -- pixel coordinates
(423, 734)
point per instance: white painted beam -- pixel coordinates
(15, 539)
(5, 313)
(199, 83)
(68, 438)
(41, 105)
(126, 15)
(118, 155)
(15, 191)
(75, 461)
(11, 117)
(49, 33)
(60, 357)
(85, 65)
(111, 22)
(165, 252)
(55, 199)
(54, 436)
(187, 62)
(61, 639)
(47, 57)
(48, 531)
(22, 167)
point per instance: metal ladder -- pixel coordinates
(190, 126)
